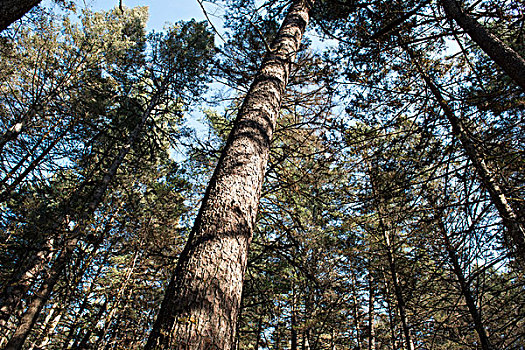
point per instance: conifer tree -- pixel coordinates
(202, 301)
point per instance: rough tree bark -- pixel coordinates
(508, 59)
(515, 228)
(201, 303)
(12, 10)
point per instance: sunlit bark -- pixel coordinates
(202, 301)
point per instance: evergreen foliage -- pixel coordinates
(391, 143)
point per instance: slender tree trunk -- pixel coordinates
(391, 317)
(293, 340)
(306, 339)
(77, 318)
(7, 192)
(201, 304)
(508, 59)
(49, 327)
(120, 295)
(18, 286)
(308, 306)
(515, 233)
(30, 153)
(112, 331)
(114, 328)
(21, 162)
(83, 343)
(464, 287)
(385, 231)
(398, 293)
(12, 10)
(35, 307)
(356, 313)
(371, 302)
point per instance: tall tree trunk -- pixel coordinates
(400, 300)
(35, 307)
(18, 286)
(120, 295)
(390, 252)
(371, 302)
(356, 313)
(293, 328)
(83, 343)
(515, 228)
(77, 317)
(462, 280)
(390, 312)
(465, 290)
(48, 328)
(308, 307)
(201, 304)
(508, 59)
(12, 10)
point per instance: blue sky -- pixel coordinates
(160, 11)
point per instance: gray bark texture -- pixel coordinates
(12, 10)
(202, 301)
(508, 59)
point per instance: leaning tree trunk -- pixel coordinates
(515, 233)
(17, 286)
(465, 288)
(34, 308)
(12, 10)
(508, 59)
(48, 329)
(202, 301)
(42, 295)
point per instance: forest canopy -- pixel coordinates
(328, 174)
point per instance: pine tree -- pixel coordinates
(202, 301)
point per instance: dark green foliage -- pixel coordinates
(368, 195)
